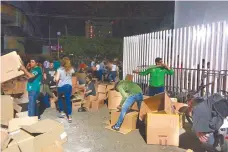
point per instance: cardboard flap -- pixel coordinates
(6, 142)
(32, 130)
(17, 123)
(17, 107)
(14, 148)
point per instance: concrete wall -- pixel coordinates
(189, 13)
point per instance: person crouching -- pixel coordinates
(131, 93)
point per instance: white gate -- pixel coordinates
(195, 52)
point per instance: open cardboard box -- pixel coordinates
(38, 136)
(159, 102)
(128, 124)
(109, 87)
(162, 129)
(10, 71)
(135, 106)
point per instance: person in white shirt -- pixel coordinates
(98, 71)
(112, 75)
(64, 82)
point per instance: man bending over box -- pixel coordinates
(131, 93)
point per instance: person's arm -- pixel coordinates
(57, 76)
(169, 70)
(124, 95)
(27, 73)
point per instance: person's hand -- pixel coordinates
(22, 68)
(202, 137)
(135, 71)
(119, 107)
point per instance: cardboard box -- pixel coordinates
(17, 123)
(114, 99)
(102, 96)
(101, 88)
(88, 101)
(128, 124)
(6, 109)
(16, 107)
(159, 102)
(114, 102)
(38, 136)
(162, 129)
(14, 87)
(76, 105)
(180, 108)
(97, 104)
(21, 114)
(109, 87)
(10, 71)
(135, 106)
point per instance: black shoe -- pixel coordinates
(115, 128)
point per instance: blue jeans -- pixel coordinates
(112, 76)
(46, 101)
(155, 90)
(66, 90)
(32, 105)
(127, 104)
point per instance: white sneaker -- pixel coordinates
(69, 118)
(62, 115)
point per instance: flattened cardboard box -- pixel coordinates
(10, 71)
(17, 123)
(6, 109)
(38, 136)
(162, 129)
(159, 102)
(22, 114)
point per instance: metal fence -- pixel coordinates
(199, 54)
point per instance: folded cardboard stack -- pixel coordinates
(26, 134)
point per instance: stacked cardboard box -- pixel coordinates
(114, 99)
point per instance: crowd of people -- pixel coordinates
(52, 80)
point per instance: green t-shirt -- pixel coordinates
(56, 65)
(157, 75)
(35, 82)
(128, 88)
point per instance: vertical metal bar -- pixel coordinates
(172, 56)
(170, 36)
(180, 60)
(184, 54)
(176, 60)
(223, 55)
(193, 57)
(207, 51)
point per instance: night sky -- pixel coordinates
(136, 17)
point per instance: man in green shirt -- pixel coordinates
(157, 76)
(33, 85)
(131, 93)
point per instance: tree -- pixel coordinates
(90, 47)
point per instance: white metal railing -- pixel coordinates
(193, 47)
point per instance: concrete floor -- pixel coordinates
(87, 133)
